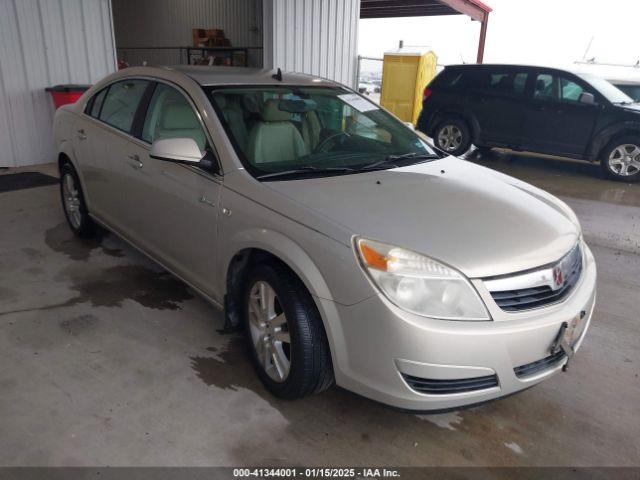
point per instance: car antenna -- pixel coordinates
(278, 75)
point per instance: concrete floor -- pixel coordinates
(106, 360)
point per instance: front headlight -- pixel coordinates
(419, 284)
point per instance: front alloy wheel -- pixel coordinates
(269, 331)
(286, 334)
(621, 160)
(625, 160)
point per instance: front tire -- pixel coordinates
(453, 137)
(289, 347)
(73, 203)
(620, 160)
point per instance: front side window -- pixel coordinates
(570, 91)
(170, 115)
(121, 102)
(277, 129)
(559, 89)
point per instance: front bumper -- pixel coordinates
(377, 347)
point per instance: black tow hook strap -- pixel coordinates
(560, 343)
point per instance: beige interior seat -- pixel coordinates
(234, 116)
(178, 120)
(311, 129)
(275, 138)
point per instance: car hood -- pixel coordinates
(477, 220)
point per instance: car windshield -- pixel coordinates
(293, 131)
(608, 90)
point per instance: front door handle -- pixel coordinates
(135, 162)
(205, 200)
(82, 135)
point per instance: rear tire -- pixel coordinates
(620, 159)
(452, 136)
(288, 344)
(73, 203)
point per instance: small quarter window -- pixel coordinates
(96, 103)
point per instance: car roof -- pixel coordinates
(220, 75)
(510, 66)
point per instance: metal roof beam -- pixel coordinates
(473, 9)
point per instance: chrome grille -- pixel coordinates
(537, 288)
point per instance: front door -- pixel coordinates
(173, 208)
(557, 122)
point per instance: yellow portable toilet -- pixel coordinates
(405, 73)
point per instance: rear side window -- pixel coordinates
(121, 102)
(510, 83)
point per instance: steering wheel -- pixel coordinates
(330, 138)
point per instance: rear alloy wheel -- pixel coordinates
(621, 160)
(289, 346)
(453, 137)
(73, 203)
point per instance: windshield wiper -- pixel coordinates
(303, 170)
(390, 161)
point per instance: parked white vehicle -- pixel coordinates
(346, 247)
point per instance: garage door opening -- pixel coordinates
(193, 32)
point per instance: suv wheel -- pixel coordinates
(75, 208)
(621, 159)
(288, 343)
(453, 137)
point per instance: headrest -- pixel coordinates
(251, 103)
(221, 101)
(178, 116)
(272, 113)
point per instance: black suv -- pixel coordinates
(542, 110)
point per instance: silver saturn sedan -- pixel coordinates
(345, 246)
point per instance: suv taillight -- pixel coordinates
(426, 93)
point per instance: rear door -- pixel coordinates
(557, 123)
(110, 138)
(501, 94)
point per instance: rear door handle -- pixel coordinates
(82, 135)
(135, 162)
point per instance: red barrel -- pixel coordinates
(65, 94)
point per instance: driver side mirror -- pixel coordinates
(182, 150)
(587, 98)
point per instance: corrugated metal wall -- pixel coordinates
(168, 23)
(319, 37)
(43, 43)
